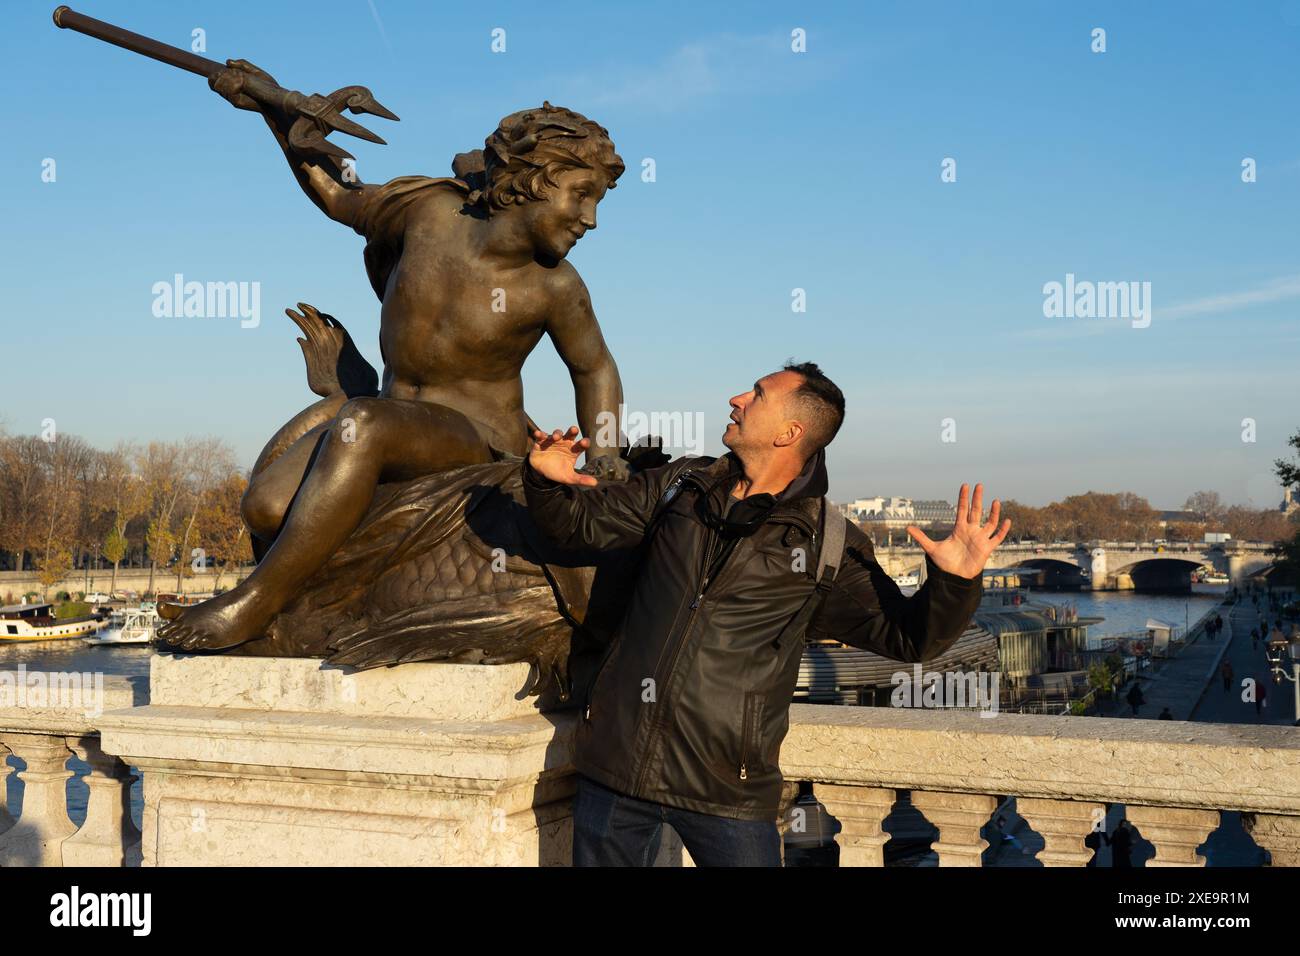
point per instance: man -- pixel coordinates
(472, 273)
(684, 720)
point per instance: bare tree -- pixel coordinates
(208, 461)
(162, 467)
(23, 486)
(66, 460)
(1207, 504)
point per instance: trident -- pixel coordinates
(317, 115)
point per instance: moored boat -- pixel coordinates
(36, 622)
(132, 625)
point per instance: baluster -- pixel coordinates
(36, 839)
(1174, 832)
(959, 817)
(1278, 834)
(861, 811)
(1063, 825)
(108, 835)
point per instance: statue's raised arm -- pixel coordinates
(301, 123)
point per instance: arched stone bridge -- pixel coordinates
(1110, 565)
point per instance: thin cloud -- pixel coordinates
(1276, 291)
(383, 34)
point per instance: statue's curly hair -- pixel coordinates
(521, 159)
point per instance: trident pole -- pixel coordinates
(68, 19)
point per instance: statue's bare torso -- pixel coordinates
(455, 329)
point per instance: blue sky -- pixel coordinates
(775, 171)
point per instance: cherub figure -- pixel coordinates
(471, 272)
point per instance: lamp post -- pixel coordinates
(1281, 655)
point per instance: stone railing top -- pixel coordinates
(1148, 762)
(64, 703)
(432, 691)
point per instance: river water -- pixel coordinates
(1126, 611)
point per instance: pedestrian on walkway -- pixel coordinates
(1121, 844)
(1226, 671)
(1165, 714)
(1261, 693)
(1254, 638)
(1007, 837)
(1094, 840)
(1135, 698)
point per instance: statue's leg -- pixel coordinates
(291, 433)
(271, 490)
(280, 468)
(383, 440)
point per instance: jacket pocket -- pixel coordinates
(591, 688)
(751, 735)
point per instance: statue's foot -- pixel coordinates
(229, 620)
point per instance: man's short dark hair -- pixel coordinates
(819, 401)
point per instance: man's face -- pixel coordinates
(758, 416)
(568, 212)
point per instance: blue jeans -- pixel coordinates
(612, 829)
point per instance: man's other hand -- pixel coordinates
(555, 456)
(966, 551)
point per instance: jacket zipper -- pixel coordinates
(672, 660)
(708, 563)
(750, 727)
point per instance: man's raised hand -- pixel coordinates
(966, 551)
(556, 455)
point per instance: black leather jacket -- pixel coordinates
(691, 702)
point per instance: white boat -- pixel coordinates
(1215, 577)
(132, 625)
(908, 580)
(36, 622)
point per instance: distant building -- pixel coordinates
(935, 512)
(881, 512)
(1168, 518)
(1290, 500)
(888, 513)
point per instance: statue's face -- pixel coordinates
(568, 212)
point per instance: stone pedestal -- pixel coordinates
(279, 761)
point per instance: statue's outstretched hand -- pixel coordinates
(556, 455)
(608, 467)
(230, 84)
(966, 551)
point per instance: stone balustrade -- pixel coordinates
(277, 761)
(45, 719)
(1174, 778)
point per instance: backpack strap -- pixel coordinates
(664, 501)
(834, 528)
(829, 556)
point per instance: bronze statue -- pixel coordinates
(471, 273)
